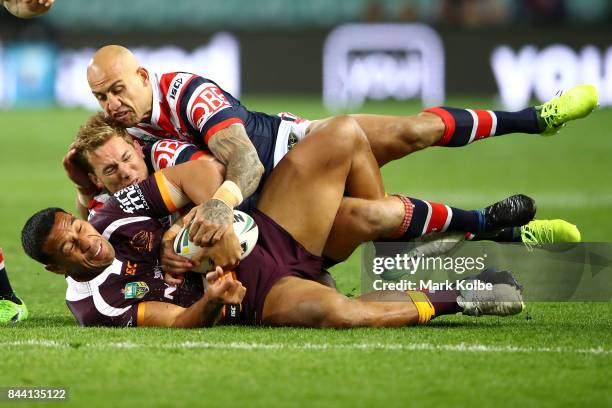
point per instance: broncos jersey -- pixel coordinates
(130, 222)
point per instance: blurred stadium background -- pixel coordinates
(316, 58)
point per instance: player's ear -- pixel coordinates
(138, 149)
(143, 74)
(94, 179)
(55, 269)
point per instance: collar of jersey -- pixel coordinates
(155, 109)
(85, 288)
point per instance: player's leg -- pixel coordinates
(395, 137)
(364, 179)
(304, 191)
(297, 302)
(404, 219)
(12, 309)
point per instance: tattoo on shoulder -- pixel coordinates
(234, 149)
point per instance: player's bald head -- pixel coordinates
(111, 59)
(121, 85)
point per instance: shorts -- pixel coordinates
(275, 256)
(290, 132)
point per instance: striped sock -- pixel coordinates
(464, 126)
(425, 217)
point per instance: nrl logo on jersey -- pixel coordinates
(135, 290)
(131, 199)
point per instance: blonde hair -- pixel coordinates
(98, 130)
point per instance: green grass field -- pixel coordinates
(562, 356)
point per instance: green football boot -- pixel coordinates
(12, 312)
(575, 103)
(549, 232)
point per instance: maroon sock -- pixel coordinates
(444, 301)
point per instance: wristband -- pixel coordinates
(229, 193)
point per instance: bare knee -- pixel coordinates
(345, 135)
(339, 138)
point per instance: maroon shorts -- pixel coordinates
(275, 256)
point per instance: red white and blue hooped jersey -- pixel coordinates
(192, 108)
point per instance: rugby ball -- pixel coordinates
(26, 8)
(245, 228)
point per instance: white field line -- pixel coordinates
(559, 199)
(460, 347)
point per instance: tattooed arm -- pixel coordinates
(234, 149)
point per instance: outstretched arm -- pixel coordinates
(194, 181)
(206, 312)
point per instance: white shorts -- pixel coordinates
(289, 133)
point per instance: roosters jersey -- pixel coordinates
(130, 221)
(191, 108)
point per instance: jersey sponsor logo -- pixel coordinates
(142, 241)
(176, 85)
(131, 199)
(135, 290)
(231, 313)
(208, 101)
(165, 153)
(130, 268)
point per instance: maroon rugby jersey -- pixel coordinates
(159, 155)
(130, 221)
